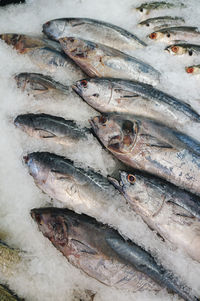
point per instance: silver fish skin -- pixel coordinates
(187, 49)
(98, 60)
(147, 7)
(161, 22)
(151, 147)
(109, 95)
(40, 86)
(165, 208)
(51, 128)
(61, 179)
(45, 53)
(103, 254)
(95, 31)
(176, 33)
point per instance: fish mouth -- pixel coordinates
(76, 89)
(36, 216)
(115, 183)
(26, 159)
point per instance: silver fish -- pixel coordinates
(51, 128)
(98, 60)
(129, 97)
(165, 208)
(103, 254)
(161, 22)
(93, 30)
(184, 49)
(40, 86)
(147, 7)
(151, 147)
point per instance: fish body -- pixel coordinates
(46, 54)
(165, 208)
(152, 147)
(147, 7)
(184, 49)
(176, 33)
(59, 178)
(93, 30)
(103, 254)
(7, 295)
(129, 97)
(161, 22)
(98, 60)
(51, 128)
(9, 258)
(40, 86)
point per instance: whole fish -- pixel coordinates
(184, 48)
(151, 147)
(52, 128)
(9, 258)
(147, 7)
(46, 54)
(195, 69)
(165, 208)
(122, 96)
(60, 179)
(98, 60)
(103, 254)
(40, 86)
(7, 295)
(161, 22)
(177, 33)
(93, 30)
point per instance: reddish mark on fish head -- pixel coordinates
(175, 49)
(153, 36)
(189, 69)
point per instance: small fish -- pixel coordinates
(165, 208)
(151, 147)
(51, 128)
(103, 254)
(98, 60)
(177, 33)
(62, 180)
(109, 95)
(7, 295)
(195, 69)
(46, 54)
(9, 258)
(95, 31)
(161, 22)
(184, 48)
(147, 7)
(40, 86)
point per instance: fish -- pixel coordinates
(98, 60)
(184, 49)
(151, 147)
(44, 53)
(58, 177)
(102, 253)
(147, 7)
(172, 212)
(40, 86)
(9, 258)
(108, 95)
(177, 33)
(194, 69)
(161, 22)
(51, 128)
(7, 295)
(93, 30)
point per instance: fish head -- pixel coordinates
(118, 135)
(193, 69)
(29, 83)
(77, 48)
(10, 39)
(54, 29)
(96, 92)
(177, 50)
(157, 35)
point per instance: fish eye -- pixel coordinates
(95, 95)
(131, 178)
(147, 24)
(102, 119)
(47, 24)
(189, 69)
(153, 35)
(168, 35)
(71, 40)
(175, 49)
(141, 10)
(84, 83)
(190, 52)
